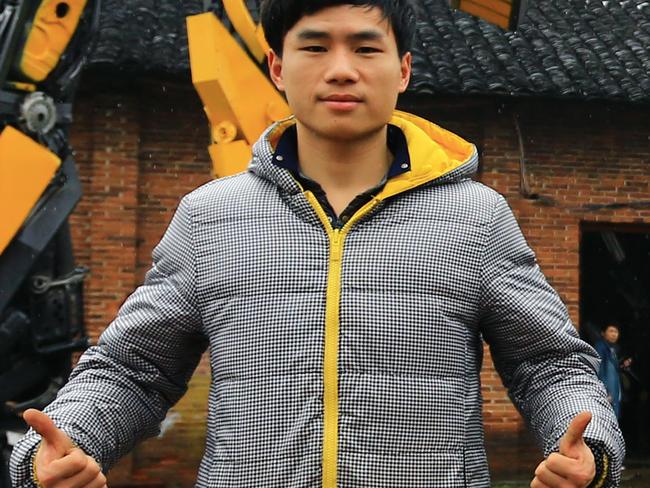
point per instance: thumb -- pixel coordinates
(574, 433)
(51, 434)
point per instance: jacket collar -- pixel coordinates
(437, 156)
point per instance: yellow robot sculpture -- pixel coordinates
(238, 98)
(43, 46)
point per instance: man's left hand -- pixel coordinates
(574, 465)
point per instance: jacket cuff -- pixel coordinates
(21, 467)
(32, 467)
(602, 464)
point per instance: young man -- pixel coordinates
(343, 284)
(610, 368)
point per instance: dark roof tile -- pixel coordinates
(562, 48)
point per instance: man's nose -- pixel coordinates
(341, 68)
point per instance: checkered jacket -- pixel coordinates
(345, 357)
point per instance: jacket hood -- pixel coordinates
(437, 156)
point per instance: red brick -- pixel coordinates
(139, 151)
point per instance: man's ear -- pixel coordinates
(405, 68)
(275, 69)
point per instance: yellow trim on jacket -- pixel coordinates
(434, 152)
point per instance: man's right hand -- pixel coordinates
(58, 462)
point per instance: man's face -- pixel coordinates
(341, 71)
(611, 334)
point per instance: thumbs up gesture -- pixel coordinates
(58, 462)
(574, 465)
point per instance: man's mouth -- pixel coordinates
(342, 102)
(342, 97)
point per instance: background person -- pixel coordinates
(609, 371)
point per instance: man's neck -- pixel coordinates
(343, 169)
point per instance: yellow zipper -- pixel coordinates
(331, 349)
(330, 362)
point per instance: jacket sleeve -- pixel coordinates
(122, 388)
(602, 353)
(549, 371)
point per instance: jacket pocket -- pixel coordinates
(427, 470)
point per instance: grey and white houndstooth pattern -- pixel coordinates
(242, 269)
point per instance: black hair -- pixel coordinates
(279, 16)
(607, 325)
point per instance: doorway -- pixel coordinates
(615, 288)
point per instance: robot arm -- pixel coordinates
(43, 46)
(239, 103)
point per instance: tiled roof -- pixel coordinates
(144, 36)
(586, 49)
(562, 48)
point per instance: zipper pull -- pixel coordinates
(335, 245)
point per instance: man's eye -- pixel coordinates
(368, 50)
(313, 49)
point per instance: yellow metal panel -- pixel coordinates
(26, 168)
(479, 10)
(229, 158)
(54, 24)
(251, 34)
(18, 85)
(501, 7)
(235, 93)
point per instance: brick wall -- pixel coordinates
(141, 146)
(139, 149)
(577, 154)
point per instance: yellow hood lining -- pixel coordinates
(434, 151)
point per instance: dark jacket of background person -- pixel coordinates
(609, 373)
